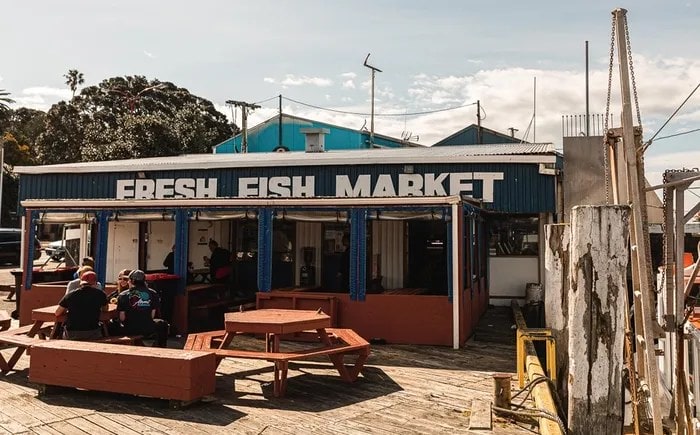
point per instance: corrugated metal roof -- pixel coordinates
(498, 153)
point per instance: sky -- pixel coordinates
(433, 55)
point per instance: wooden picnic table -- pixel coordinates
(48, 314)
(200, 275)
(335, 343)
(42, 318)
(274, 323)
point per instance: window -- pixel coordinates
(513, 235)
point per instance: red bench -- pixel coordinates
(179, 376)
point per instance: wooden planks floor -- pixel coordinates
(403, 390)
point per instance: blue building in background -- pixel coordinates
(475, 135)
(287, 135)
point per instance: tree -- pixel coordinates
(130, 117)
(5, 100)
(74, 78)
(62, 139)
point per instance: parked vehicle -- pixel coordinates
(11, 245)
(56, 250)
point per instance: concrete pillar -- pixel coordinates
(598, 262)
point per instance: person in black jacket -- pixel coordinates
(82, 308)
(219, 263)
(169, 261)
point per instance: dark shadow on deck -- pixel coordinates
(212, 413)
(311, 390)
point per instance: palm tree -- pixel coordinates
(74, 78)
(5, 100)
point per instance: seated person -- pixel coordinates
(86, 261)
(82, 308)
(122, 284)
(169, 261)
(75, 284)
(137, 310)
(219, 263)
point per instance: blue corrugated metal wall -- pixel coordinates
(523, 189)
(469, 136)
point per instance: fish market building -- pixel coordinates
(406, 245)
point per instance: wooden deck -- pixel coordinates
(403, 389)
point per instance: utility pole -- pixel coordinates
(512, 131)
(244, 120)
(279, 127)
(478, 122)
(371, 125)
(2, 174)
(588, 116)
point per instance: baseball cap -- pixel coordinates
(88, 278)
(137, 275)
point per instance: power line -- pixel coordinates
(345, 112)
(679, 134)
(274, 97)
(669, 119)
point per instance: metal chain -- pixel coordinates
(634, 83)
(663, 230)
(606, 160)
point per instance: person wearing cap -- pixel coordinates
(82, 308)
(75, 284)
(137, 308)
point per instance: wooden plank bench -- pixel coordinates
(5, 320)
(342, 342)
(176, 375)
(129, 340)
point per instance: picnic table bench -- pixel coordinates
(22, 338)
(5, 320)
(172, 374)
(336, 344)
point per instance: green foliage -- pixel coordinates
(74, 78)
(5, 100)
(130, 117)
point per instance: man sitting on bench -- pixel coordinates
(82, 309)
(137, 310)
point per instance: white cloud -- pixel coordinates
(148, 54)
(349, 84)
(40, 97)
(348, 75)
(292, 80)
(268, 80)
(46, 91)
(475, 61)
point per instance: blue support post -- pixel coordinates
(265, 249)
(358, 254)
(448, 253)
(182, 226)
(28, 261)
(362, 255)
(101, 245)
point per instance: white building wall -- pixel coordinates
(122, 248)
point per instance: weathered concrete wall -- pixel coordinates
(556, 296)
(598, 263)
